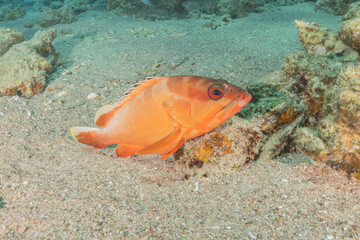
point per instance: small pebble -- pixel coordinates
(251, 235)
(59, 94)
(92, 96)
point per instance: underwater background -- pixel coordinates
(287, 166)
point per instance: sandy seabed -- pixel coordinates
(54, 188)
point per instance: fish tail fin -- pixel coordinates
(89, 136)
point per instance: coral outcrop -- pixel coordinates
(200, 6)
(318, 40)
(239, 8)
(9, 37)
(10, 12)
(52, 17)
(159, 9)
(354, 11)
(78, 6)
(224, 150)
(337, 7)
(25, 66)
(321, 41)
(350, 33)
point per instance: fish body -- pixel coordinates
(148, 3)
(159, 114)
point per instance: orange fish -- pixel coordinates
(159, 114)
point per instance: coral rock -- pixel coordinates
(318, 40)
(238, 8)
(52, 17)
(307, 140)
(350, 33)
(225, 149)
(25, 66)
(78, 6)
(10, 12)
(354, 11)
(337, 7)
(9, 37)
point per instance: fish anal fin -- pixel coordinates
(165, 155)
(127, 150)
(164, 145)
(180, 109)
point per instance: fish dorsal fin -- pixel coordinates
(107, 112)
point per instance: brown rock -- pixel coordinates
(24, 67)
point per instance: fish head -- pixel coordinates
(223, 101)
(210, 102)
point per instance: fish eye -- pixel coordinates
(216, 91)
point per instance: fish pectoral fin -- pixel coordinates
(179, 109)
(164, 145)
(165, 155)
(127, 150)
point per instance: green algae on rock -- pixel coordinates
(25, 66)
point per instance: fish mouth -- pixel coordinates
(234, 106)
(246, 98)
(243, 100)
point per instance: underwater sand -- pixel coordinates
(54, 188)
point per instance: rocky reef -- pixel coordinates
(150, 9)
(24, 67)
(60, 12)
(310, 106)
(192, 8)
